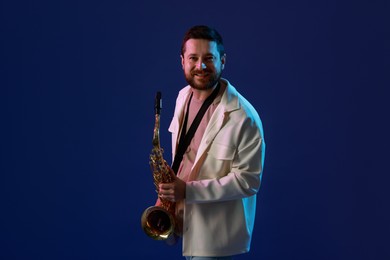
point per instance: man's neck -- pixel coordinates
(202, 95)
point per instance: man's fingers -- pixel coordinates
(165, 186)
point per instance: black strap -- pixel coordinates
(185, 138)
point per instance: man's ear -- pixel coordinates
(182, 61)
(223, 61)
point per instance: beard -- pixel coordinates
(203, 83)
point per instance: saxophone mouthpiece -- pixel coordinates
(158, 103)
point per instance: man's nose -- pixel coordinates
(200, 65)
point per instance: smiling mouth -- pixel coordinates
(201, 75)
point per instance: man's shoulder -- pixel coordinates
(184, 92)
(237, 99)
(245, 111)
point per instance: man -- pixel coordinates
(219, 172)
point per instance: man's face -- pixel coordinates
(202, 63)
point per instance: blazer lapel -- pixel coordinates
(228, 103)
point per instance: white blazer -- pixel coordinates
(220, 202)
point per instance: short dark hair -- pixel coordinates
(206, 33)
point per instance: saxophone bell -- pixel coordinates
(157, 223)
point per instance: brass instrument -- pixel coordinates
(158, 222)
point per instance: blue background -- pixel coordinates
(78, 80)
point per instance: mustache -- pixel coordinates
(195, 71)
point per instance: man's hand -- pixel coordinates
(174, 191)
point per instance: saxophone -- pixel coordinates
(158, 222)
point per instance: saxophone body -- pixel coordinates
(158, 222)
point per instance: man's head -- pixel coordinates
(203, 57)
(206, 33)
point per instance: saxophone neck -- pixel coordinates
(157, 109)
(156, 132)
